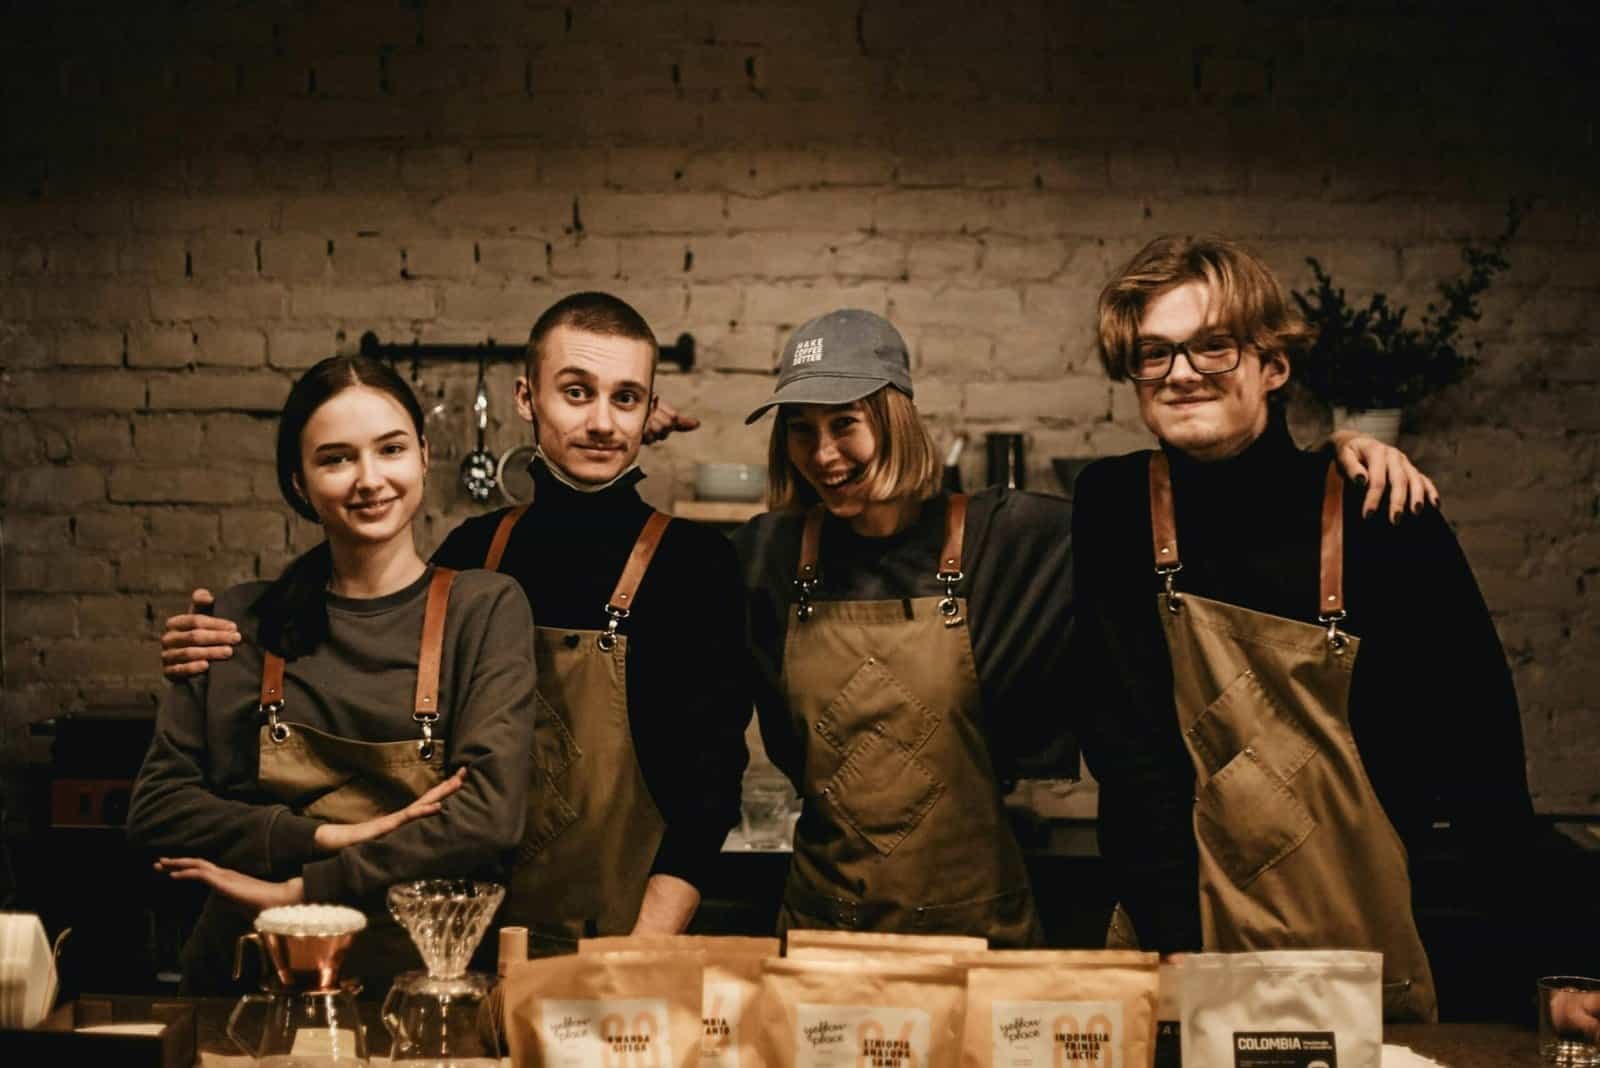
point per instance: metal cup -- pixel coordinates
(300, 963)
(1569, 1021)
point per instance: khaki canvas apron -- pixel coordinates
(902, 827)
(592, 827)
(343, 780)
(1295, 850)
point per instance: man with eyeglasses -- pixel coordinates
(1271, 688)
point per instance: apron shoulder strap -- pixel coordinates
(271, 680)
(502, 535)
(1330, 602)
(622, 597)
(432, 650)
(425, 708)
(950, 573)
(1163, 525)
(810, 546)
(644, 550)
(805, 575)
(272, 694)
(955, 533)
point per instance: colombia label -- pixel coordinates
(1284, 1049)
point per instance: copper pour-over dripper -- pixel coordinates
(306, 945)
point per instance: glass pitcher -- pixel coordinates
(442, 1023)
(310, 1029)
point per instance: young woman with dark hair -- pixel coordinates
(376, 721)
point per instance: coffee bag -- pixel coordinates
(846, 944)
(860, 1013)
(1282, 1009)
(731, 977)
(605, 1010)
(1059, 1009)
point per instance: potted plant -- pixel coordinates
(1367, 363)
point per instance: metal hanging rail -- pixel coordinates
(679, 353)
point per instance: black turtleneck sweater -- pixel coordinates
(1432, 707)
(688, 698)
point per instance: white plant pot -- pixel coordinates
(1381, 423)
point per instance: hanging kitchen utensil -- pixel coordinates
(516, 481)
(478, 469)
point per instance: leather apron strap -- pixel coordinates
(1164, 544)
(502, 535)
(949, 573)
(425, 706)
(1164, 527)
(1330, 605)
(805, 578)
(620, 604)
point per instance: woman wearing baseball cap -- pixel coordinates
(902, 637)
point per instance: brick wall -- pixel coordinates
(199, 200)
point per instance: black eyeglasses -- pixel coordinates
(1209, 354)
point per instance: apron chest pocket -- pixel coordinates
(882, 790)
(1245, 714)
(1248, 819)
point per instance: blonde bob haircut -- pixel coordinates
(905, 466)
(1246, 297)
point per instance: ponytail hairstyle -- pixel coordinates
(293, 612)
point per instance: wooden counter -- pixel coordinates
(1464, 1045)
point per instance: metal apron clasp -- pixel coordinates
(426, 720)
(614, 617)
(1174, 598)
(1337, 639)
(277, 729)
(949, 607)
(803, 606)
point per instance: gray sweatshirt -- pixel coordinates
(197, 796)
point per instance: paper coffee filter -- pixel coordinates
(310, 920)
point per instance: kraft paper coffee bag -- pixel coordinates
(844, 944)
(1059, 1009)
(1282, 1009)
(605, 1010)
(861, 1013)
(731, 978)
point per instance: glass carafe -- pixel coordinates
(443, 1023)
(444, 1017)
(300, 1030)
(304, 1017)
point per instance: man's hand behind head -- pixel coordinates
(192, 640)
(666, 420)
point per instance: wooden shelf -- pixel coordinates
(718, 511)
